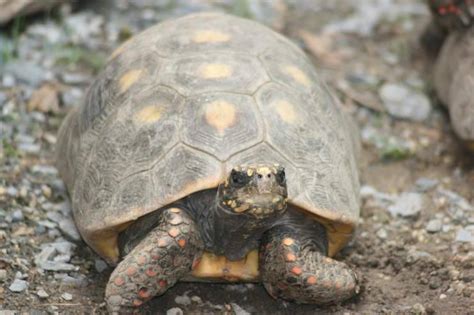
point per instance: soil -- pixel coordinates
(405, 268)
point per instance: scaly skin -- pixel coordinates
(293, 269)
(164, 256)
(453, 14)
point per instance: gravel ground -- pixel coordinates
(415, 242)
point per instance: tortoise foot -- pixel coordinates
(164, 256)
(293, 269)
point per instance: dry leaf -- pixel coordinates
(321, 46)
(45, 99)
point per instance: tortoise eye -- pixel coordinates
(238, 179)
(281, 177)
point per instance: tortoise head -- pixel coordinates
(256, 190)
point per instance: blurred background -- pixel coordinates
(415, 243)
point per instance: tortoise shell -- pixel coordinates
(183, 102)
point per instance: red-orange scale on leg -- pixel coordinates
(141, 260)
(143, 293)
(150, 272)
(119, 281)
(131, 271)
(182, 243)
(296, 270)
(137, 302)
(162, 283)
(311, 280)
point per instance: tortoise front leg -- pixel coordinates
(164, 256)
(294, 267)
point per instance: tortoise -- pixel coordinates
(454, 67)
(209, 149)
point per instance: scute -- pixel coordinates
(213, 72)
(216, 33)
(221, 123)
(183, 102)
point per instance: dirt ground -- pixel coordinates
(418, 262)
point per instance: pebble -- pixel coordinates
(26, 72)
(18, 286)
(407, 205)
(382, 234)
(434, 226)
(403, 102)
(17, 216)
(174, 311)
(3, 98)
(442, 296)
(100, 265)
(456, 200)
(46, 170)
(66, 296)
(42, 293)
(3, 275)
(426, 184)
(196, 299)
(182, 300)
(465, 235)
(238, 310)
(29, 147)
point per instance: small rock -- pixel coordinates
(3, 275)
(407, 205)
(17, 216)
(18, 286)
(42, 293)
(442, 296)
(196, 299)
(466, 235)
(403, 102)
(434, 283)
(31, 148)
(182, 300)
(174, 311)
(382, 234)
(75, 78)
(45, 170)
(418, 309)
(66, 296)
(68, 228)
(238, 310)
(434, 226)
(26, 72)
(100, 265)
(425, 184)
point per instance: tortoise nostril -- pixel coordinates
(269, 175)
(260, 176)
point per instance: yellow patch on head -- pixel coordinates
(298, 75)
(286, 111)
(215, 71)
(210, 36)
(129, 78)
(220, 115)
(148, 114)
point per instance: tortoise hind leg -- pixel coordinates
(164, 256)
(293, 266)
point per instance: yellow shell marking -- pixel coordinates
(148, 114)
(215, 71)
(298, 75)
(129, 78)
(286, 111)
(220, 115)
(210, 36)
